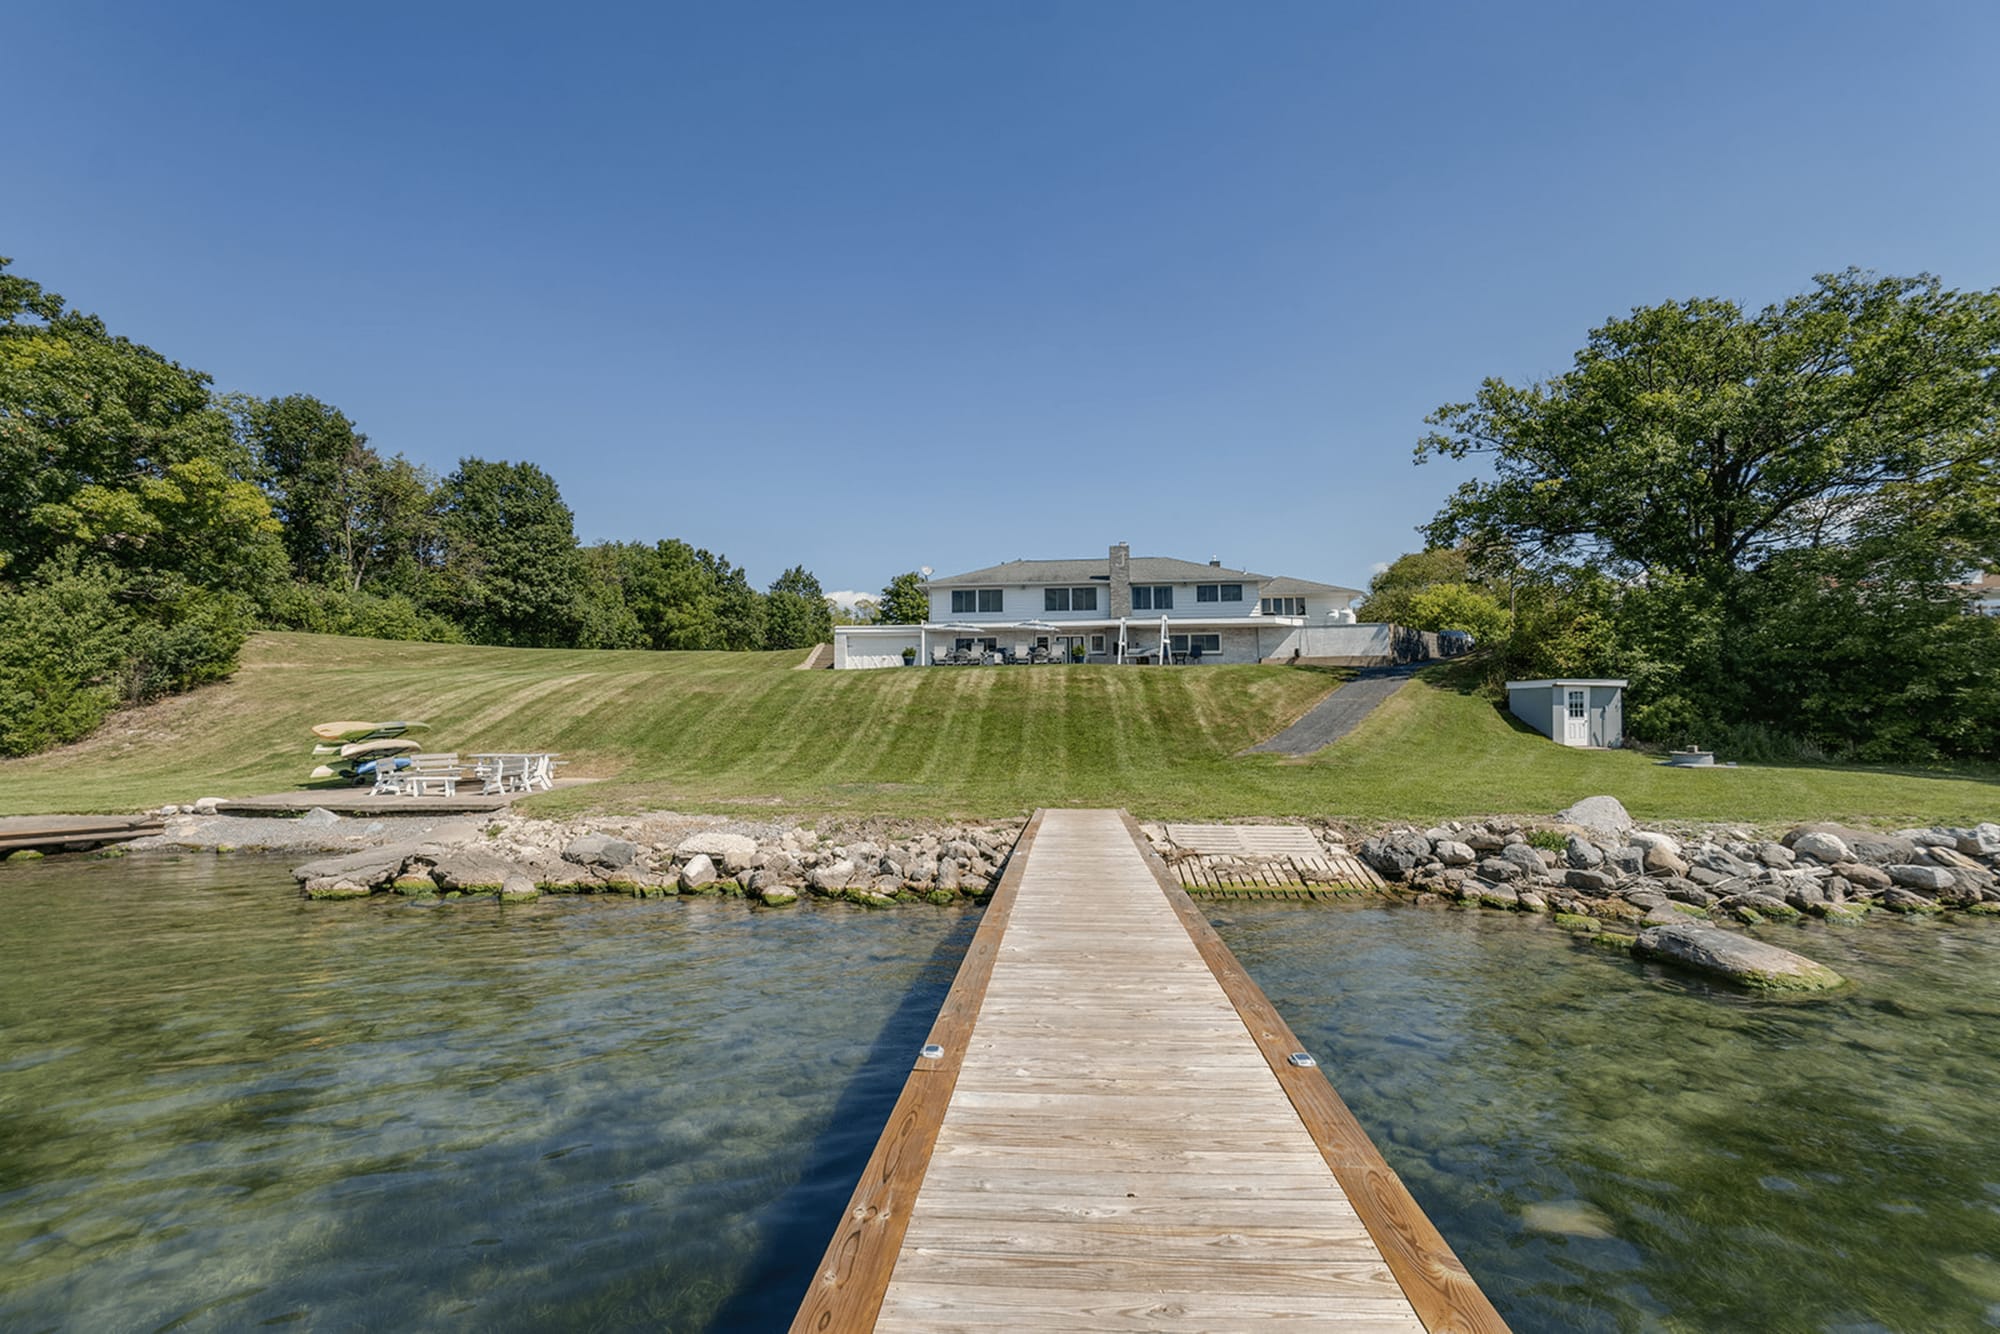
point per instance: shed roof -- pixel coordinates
(1565, 681)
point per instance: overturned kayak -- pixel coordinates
(361, 731)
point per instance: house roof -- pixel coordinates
(1145, 570)
(1293, 588)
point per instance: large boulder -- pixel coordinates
(367, 868)
(1924, 879)
(1662, 860)
(722, 848)
(1818, 845)
(601, 850)
(1863, 845)
(1600, 815)
(1741, 959)
(468, 869)
(699, 872)
(1590, 882)
(1527, 858)
(1453, 853)
(1393, 856)
(1646, 838)
(1982, 840)
(1581, 853)
(833, 877)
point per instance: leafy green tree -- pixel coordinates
(512, 573)
(1694, 439)
(1459, 607)
(904, 601)
(1390, 591)
(739, 608)
(795, 611)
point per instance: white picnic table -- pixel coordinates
(515, 771)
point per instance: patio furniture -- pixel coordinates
(431, 775)
(940, 656)
(515, 771)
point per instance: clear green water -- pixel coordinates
(1611, 1146)
(223, 1108)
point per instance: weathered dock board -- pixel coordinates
(53, 833)
(1111, 1136)
(1262, 861)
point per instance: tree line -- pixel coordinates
(1764, 520)
(148, 524)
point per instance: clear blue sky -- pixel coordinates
(870, 287)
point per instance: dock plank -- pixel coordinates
(1107, 1145)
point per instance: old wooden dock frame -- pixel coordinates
(1110, 1127)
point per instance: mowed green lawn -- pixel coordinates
(746, 732)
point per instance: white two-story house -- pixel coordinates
(1116, 608)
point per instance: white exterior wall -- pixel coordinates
(871, 645)
(1376, 640)
(1024, 603)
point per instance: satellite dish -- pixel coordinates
(926, 571)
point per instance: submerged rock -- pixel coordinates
(1753, 963)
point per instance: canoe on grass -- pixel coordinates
(359, 731)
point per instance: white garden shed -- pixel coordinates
(1571, 713)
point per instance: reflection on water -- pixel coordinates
(1611, 1146)
(221, 1106)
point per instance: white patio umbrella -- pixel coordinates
(1041, 628)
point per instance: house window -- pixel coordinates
(1284, 606)
(1096, 641)
(1186, 643)
(975, 599)
(1576, 704)
(1218, 592)
(1152, 597)
(1069, 599)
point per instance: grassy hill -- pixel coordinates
(719, 731)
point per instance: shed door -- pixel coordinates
(1576, 719)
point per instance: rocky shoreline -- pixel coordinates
(1662, 896)
(1665, 893)
(662, 855)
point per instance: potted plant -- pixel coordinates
(909, 657)
(1076, 653)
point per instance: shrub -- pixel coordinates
(63, 657)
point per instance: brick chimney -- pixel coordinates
(1121, 580)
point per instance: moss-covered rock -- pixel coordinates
(1739, 958)
(1983, 909)
(941, 897)
(780, 896)
(24, 855)
(414, 886)
(334, 887)
(1576, 922)
(1620, 941)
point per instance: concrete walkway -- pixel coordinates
(1339, 713)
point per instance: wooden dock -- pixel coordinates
(1106, 1130)
(65, 833)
